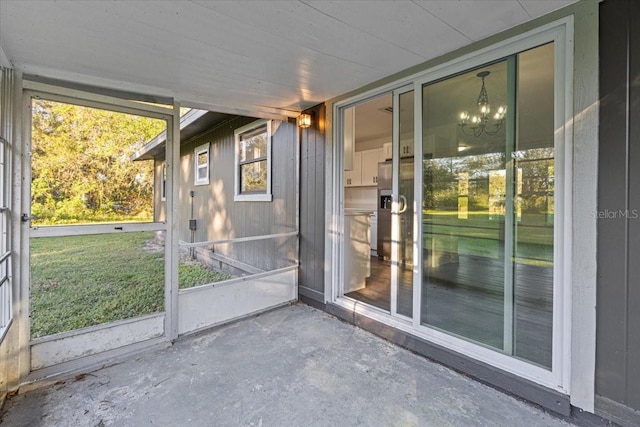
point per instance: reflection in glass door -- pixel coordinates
(487, 208)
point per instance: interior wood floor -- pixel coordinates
(466, 298)
(377, 291)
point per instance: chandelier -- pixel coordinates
(477, 124)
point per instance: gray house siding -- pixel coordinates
(618, 327)
(159, 206)
(216, 213)
(312, 193)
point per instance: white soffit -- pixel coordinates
(246, 55)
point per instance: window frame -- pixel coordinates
(265, 196)
(204, 148)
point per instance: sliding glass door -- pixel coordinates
(487, 205)
(463, 205)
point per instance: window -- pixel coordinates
(253, 162)
(201, 163)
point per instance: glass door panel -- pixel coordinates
(368, 183)
(534, 166)
(463, 206)
(384, 280)
(488, 205)
(405, 179)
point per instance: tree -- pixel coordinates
(81, 166)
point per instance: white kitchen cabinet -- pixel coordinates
(357, 250)
(353, 178)
(370, 159)
(365, 168)
(382, 155)
(406, 148)
(374, 231)
(387, 151)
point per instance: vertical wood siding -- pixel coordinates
(312, 193)
(618, 308)
(159, 206)
(219, 217)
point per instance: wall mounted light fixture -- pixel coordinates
(304, 120)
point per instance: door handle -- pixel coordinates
(403, 204)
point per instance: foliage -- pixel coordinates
(81, 166)
(464, 203)
(80, 281)
(486, 181)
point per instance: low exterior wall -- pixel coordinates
(209, 305)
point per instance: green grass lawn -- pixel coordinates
(80, 281)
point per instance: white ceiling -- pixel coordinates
(247, 56)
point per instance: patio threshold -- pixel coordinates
(291, 366)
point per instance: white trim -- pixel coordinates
(78, 97)
(22, 204)
(236, 280)
(418, 248)
(561, 33)
(563, 236)
(239, 239)
(185, 120)
(208, 306)
(171, 254)
(331, 175)
(581, 228)
(335, 232)
(76, 230)
(96, 328)
(252, 197)
(395, 204)
(46, 376)
(7, 90)
(201, 149)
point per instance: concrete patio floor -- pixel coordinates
(294, 366)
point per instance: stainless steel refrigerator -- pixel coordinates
(384, 200)
(384, 209)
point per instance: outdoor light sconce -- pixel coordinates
(304, 120)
